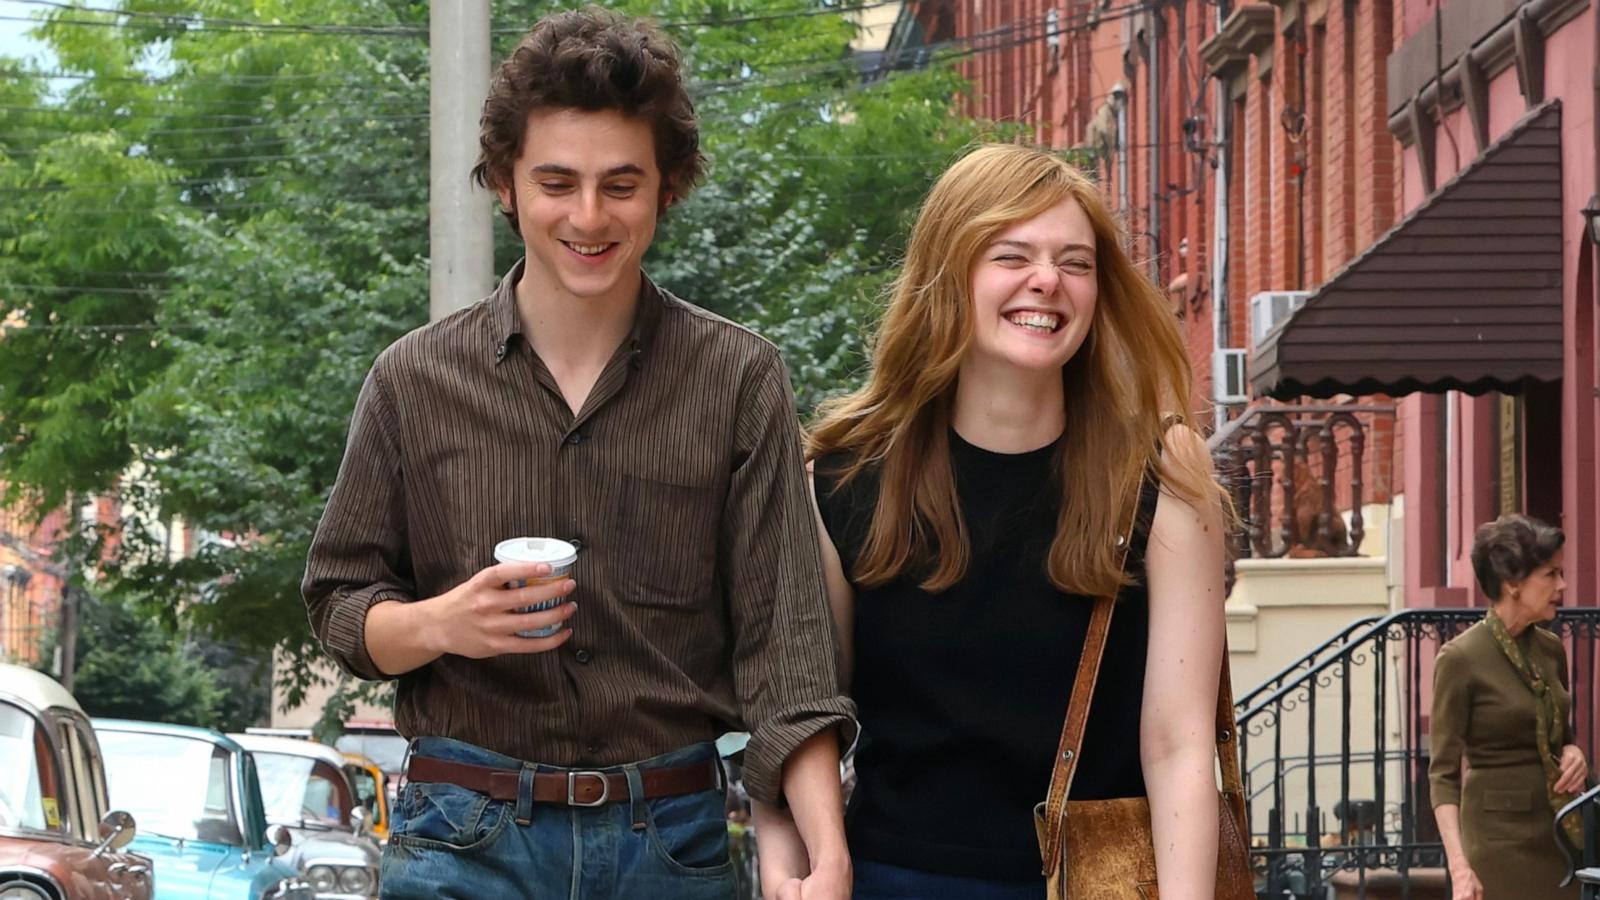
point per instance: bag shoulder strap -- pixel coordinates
(1071, 743)
(1066, 764)
(1094, 646)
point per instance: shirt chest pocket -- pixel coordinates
(665, 536)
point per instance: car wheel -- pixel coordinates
(16, 887)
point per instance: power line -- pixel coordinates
(152, 81)
(890, 66)
(855, 270)
(194, 23)
(74, 289)
(220, 181)
(244, 120)
(121, 110)
(100, 210)
(217, 160)
(110, 329)
(244, 130)
(887, 66)
(772, 68)
(777, 73)
(65, 221)
(776, 78)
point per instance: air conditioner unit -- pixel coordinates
(1269, 308)
(1228, 376)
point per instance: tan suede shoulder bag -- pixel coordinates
(1102, 849)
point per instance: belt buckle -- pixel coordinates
(572, 786)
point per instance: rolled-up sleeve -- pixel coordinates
(358, 556)
(1447, 725)
(785, 669)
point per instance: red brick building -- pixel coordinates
(31, 585)
(1274, 154)
(1377, 220)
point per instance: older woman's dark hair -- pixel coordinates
(591, 59)
(1510, 548)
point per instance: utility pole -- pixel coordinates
(460, 219)
(1157, 21)
(68, 640)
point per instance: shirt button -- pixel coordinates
(577, 543)
(575, 438)
(593, 747)
(583, 656)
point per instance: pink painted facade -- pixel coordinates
(1453, 451)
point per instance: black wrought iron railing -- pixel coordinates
(1583, 866)
(1334, 751)
(1310, 659)
(1294, 470)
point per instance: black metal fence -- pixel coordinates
(1334, 751)
(1292, 469)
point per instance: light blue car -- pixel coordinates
(197, 799)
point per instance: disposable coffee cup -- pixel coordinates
(558, 555)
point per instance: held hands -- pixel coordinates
(1464, 885)
(479, 617)
(1574, 770)
(787, 872)
(819, 885)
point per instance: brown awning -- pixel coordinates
(1464, 293)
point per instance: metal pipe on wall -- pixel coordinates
(1119, 100)
(1219, 231)
(1154, 92)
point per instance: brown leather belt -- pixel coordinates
(571, 787)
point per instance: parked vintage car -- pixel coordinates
(371, 792)
(57, 840)
(371, 783)
(198, 802)
(307, 790)
(379, 742)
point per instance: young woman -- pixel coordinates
(973, 498)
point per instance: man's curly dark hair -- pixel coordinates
(591, 59)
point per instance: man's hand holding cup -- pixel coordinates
(514, 606)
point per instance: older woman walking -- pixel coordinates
(1501, 704)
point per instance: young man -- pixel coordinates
(582, 402)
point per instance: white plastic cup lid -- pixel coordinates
(556, 553)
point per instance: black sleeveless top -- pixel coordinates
(962, 694)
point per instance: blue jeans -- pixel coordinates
(449, 842)
(879, 881)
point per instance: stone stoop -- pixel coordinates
(1383, 884)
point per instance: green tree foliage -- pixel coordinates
(130, 668)
(221, 226)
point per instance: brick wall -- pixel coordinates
(1349, 192)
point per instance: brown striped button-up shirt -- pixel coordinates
(701, 606)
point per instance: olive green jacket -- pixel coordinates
(1481, 709)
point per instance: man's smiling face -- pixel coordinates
(587, 191)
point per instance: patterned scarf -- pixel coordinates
(1550, 721)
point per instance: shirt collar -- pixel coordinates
(508, 325)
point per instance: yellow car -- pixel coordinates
(367, 779)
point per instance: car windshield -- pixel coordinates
(27, 774)
(387, 749)
(302, 791)
(175, 786)
(366, 788)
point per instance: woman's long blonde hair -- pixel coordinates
(1130, 374)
